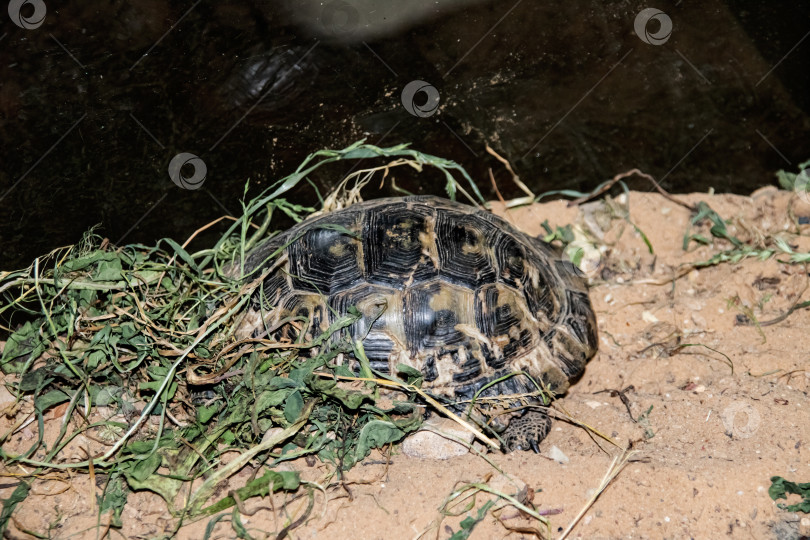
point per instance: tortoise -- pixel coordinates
(452, 291)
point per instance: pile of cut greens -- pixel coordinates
(132, 349)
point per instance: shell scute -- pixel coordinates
(447, 289)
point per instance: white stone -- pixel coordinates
(6, 399)
(648, 317)
(558, 455)
(434, 440)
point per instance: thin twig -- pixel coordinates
(615, 468)
(620, 176)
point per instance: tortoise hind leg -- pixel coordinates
(527, 431)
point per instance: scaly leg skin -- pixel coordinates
(526, 432)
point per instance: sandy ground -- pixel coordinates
(708, 440)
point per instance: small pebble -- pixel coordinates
(558, 455)
(649, 317)
(427, 444)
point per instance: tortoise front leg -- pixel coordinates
(527, 431)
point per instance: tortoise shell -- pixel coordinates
(452, 291)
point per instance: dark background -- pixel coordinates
(97, 99)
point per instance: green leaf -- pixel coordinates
(166, 487)
(718, 228)
(128, 331)
(277, 383)
(293, 406)
(86, 298)
(155, 386)
(34, 380)
(49, 399)
(94, 359)
(140, 447)
(792, 181)
(575, 254)
(376, 434)
(227, 437)
(145, 468)
(209, 527)
(25, 342)
(468, 523)
(780, 488)
(643, 237)
(114, 498)
(183, 254)
(108, 270)
(298, 375)
(204, 414)
(412, 375)
(17, 496)
(351, 399)
(238, 527)
(271, 481)
(94, 258)
(269, 399)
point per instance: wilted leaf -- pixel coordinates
(781, 488)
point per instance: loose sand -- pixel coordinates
(707, 444)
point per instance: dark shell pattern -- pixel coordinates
(452, 291)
